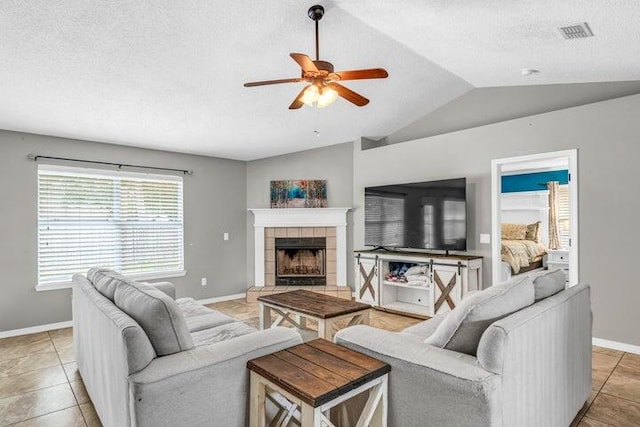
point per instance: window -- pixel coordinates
(131, 222)
(563, 215)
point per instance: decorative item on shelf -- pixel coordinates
(299, 193)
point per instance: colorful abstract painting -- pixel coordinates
(299, 193)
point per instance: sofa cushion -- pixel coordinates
(221, 333)
(463, 327)
(105, 281)
(199, 317)
(158, 314)
(549, 284)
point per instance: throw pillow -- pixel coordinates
(105, 281)
(549, 284)
(533, 232)
(157, 314)
(463, 327)
(513, 231)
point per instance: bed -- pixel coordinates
(521, 247)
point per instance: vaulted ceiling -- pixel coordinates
(169, 75)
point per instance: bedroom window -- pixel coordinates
(563, 216)
(131, 222)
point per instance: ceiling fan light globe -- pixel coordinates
(327, 97)
(310, 95)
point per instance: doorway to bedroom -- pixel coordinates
(534, 215)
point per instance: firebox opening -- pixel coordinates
(301, 261)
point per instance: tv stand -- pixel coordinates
(448, 279)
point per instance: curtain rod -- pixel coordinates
(35, 158)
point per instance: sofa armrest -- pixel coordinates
(429, 386)
(166, 287)
(207, 385)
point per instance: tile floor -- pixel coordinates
(40, 384)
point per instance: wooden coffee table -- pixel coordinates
(306, 381)
(298, 306)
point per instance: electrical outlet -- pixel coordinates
(225, 236)
(203, 281)
(485, 239)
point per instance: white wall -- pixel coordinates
(607, 136)
(214, 202)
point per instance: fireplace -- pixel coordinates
(327, 223)
(300, 261)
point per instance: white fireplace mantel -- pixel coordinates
(302, 217)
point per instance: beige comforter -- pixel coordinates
(521, 253)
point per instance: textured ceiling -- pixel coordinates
(487, 43)
(169, 75)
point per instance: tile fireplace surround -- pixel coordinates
(328, 223)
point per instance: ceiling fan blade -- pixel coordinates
(304, 61)
(297, 103)
(349, 95)
(274, 82)
(371, 73)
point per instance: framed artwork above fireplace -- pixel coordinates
(299, 193)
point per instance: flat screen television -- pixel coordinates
(419, 215)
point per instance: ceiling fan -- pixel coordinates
(323, 87)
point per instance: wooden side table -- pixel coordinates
(298, 306)
(306, 381)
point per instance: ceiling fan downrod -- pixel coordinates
(316, 13)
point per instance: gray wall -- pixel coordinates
(214, 202)
(333, 163)
(606, 135)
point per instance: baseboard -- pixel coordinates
(220, 299)
(614, 345)
(36, 329)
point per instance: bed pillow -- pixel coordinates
(158, 314)
(514, 231)
(549, 284)
(533, 232)
(463, 327)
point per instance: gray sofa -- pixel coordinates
(530, 367)
(149, 360)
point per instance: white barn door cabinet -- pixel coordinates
(446, 280)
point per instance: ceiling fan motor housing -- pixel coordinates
(324, 66)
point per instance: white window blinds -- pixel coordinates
(130, 222)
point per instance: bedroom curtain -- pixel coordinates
(554, 229)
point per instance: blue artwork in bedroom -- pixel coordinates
(533, 181)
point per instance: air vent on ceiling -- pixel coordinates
(578, 31)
